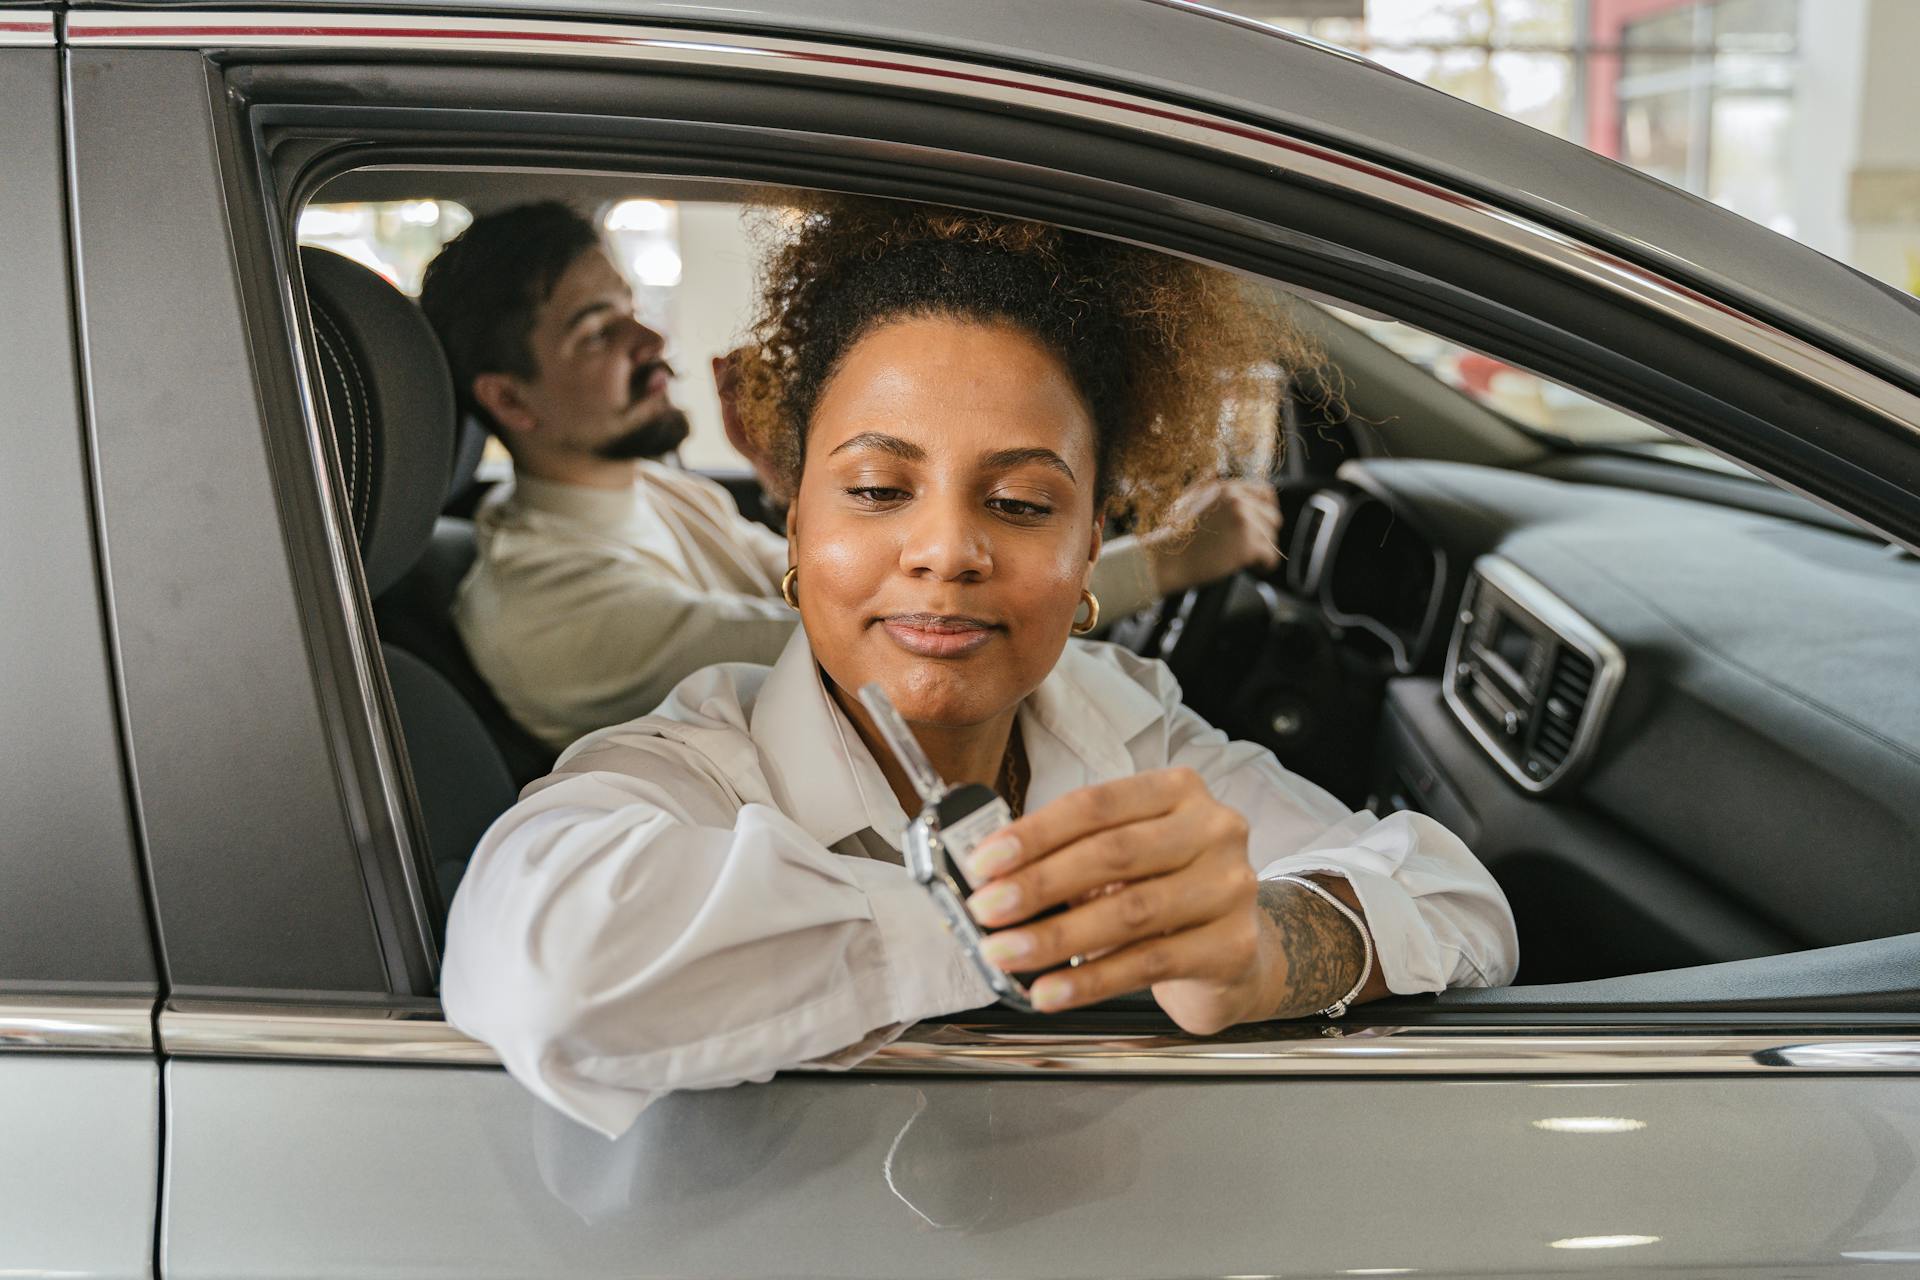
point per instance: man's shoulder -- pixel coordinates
(652, 470)
(505, 528)
(671, 487)
(530, 557)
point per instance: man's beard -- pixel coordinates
(659, 435)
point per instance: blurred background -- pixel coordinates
(1802, 115)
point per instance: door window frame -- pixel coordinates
(1338, 225)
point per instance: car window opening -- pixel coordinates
(1455, 625)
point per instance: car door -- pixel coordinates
(322, 1119)
(79, 1080)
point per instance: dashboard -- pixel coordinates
(1698, 721)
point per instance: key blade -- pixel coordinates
(905, 747)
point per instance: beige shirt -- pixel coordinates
(714, 892)
(586, 606)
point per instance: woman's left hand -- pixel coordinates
(1163, 895)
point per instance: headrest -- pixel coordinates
(390, 401)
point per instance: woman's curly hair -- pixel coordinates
(1178, 363)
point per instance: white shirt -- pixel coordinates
(714, 892)
(586, 606)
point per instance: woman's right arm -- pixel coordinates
(627, 930)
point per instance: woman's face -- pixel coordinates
(944, 525)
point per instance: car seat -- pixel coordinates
(389, 400)
(416, 613)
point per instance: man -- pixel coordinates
(605, 576)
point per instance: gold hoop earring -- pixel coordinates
(1093, 614)
(786, 587)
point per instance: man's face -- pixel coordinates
(601, 386)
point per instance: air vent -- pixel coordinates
(1568, 688)
(1528, 677)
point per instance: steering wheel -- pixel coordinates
(1211, 638)
(1254, 664)
(1185, 625)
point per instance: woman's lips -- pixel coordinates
(937, 635)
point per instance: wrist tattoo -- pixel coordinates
(1323, 949)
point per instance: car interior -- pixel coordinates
(1673, 707)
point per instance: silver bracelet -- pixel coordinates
(1339, 1007)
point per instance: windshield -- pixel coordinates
(1528, 399)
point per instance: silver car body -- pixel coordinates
(309, 1120)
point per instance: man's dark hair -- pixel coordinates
(481, 292)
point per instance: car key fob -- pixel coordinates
(965, 817)
(951, 824)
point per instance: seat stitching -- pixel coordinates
(328, 340)
(359, 493)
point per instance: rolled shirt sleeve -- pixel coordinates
(643, 921)
(1437, 916)
(1123, 578)
(619, 936)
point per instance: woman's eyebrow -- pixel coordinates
(1007, 459)
(894, 445)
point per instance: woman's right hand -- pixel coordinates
(1162, 895)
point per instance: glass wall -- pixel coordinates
(396, 238)
(1522, 58)
(1698, 93)
(1705, 101)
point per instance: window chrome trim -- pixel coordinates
(76, 1024)
(1510, 232)
(371, 1034)
(1561, 618)
(26, 28)
(422, 1036)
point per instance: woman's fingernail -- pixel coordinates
(1051, 992)
(992, 858)
(1002, 949)
(995, 901)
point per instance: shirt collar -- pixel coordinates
(799, 729)
(600, 508)
(1094, 708)
(1076, 725)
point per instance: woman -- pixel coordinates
(714, 892)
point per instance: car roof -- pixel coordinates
(1187, 53)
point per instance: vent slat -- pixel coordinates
(1568, 686)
